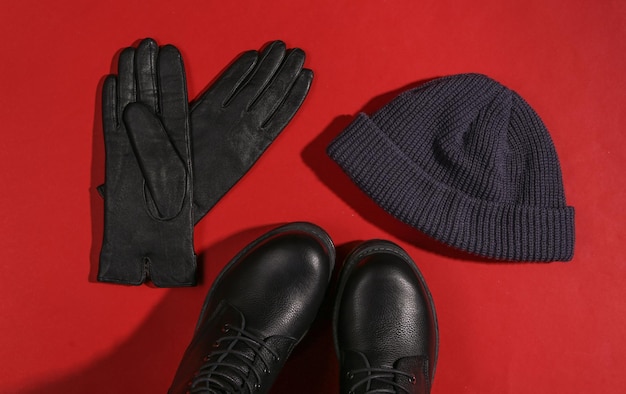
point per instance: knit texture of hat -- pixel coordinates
(468, 162)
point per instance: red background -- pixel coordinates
(505, 328)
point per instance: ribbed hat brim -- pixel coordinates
(490, 229)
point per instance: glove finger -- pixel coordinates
(226, 85)
(271, 59)
(173, 98)
(146, 73)
(126, 89)
(109, 104)
(117, 147)
(161, 167)
(288, 108)
(274, 94)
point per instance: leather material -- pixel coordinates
(148, 222)
(240, 115)
(384, 323)
(148, 194)
(260, 306)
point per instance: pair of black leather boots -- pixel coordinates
(264, 301)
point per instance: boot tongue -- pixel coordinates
(239, 353)
(381, 360)
(416, 367)
(352, 363)
(227, 367)
(243, 357)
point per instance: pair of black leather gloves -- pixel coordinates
(169, 162)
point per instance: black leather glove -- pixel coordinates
(232, 124)
(148, 196)
(240, 115)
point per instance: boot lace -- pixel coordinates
(383, 376)
(223, 366)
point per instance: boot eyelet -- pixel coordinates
(226, 328)
(206, 358)
(412, 379)
(216, 344)
(350, 375)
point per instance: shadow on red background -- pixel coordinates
(147, 359)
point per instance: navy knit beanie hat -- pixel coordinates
(468, 162)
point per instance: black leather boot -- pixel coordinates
(258, 309)
(384, 323)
